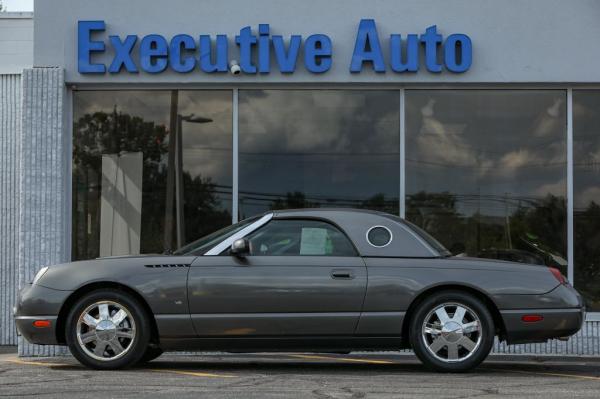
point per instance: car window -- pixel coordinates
(202, 245)
(295, 237)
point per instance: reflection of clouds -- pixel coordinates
(487, 142)
(440, 142)
(314, 122)
(514, 160)
(548, 122)
(558, 189)
(584, 198)
(334, 146)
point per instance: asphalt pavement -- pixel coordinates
(299, 375)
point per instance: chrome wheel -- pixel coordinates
(106, 330)
(451, 332)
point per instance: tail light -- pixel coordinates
(558, 275)
(532, 318)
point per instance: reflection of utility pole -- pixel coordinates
(168, 241)
(175, 173)
(509, 239)
(179, 173)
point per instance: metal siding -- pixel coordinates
(585, 342)
(10, 119)
(42, 193)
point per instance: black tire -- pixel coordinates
(138, 344)
(152, 352)
(472, 358)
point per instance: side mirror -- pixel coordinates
(240, 247)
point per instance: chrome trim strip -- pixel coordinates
(235, 193)
(570, 198)
(402, 154)
(223, 245)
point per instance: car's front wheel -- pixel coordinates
(452, 331)
(107, 329)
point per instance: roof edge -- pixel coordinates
(16, 15)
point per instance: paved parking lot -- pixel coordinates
(294, 375)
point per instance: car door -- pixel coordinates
(301, 278)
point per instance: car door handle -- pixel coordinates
(342, 274)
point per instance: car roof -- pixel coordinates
(357, 222)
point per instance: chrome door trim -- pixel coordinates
(223, 245)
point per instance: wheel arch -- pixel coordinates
(86, 289)
(491, 306)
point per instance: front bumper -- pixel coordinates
(556, 322)
(39, 303)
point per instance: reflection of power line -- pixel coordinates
(524, 165)
(543, 145)
(319, 154)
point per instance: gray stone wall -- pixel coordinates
(43, 193)
(10, 120)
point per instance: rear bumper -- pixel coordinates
(555, 323)
(38, 303)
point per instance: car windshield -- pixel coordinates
(202, 245)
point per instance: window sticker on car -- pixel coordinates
(313, 241)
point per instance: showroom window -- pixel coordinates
(586, 190)
(486, 172)
(318, 148)
(137, 186)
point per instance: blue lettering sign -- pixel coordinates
(245, 40)
(85, 46)
(411, 62)
(367, 48)
(153, 53)
(259, 52)
(178, 59)
(220, 64)
(123, 54)
(317, 53)
(287, 60)
(458, 44)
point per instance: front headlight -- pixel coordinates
(39, 274)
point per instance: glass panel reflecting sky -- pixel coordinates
(486, 171)
(318, 148)
(586, 189)
(122, 155)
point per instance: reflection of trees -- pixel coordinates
(297, 200)
(378, 202)
(113, 133)
(202, 207)
(539, 227)
(294, 200)
(587, 253)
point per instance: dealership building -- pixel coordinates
(127, 128)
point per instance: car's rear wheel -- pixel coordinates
(107, 329)
(452, 331)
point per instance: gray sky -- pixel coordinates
(18, 5)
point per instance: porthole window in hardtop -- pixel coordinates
(293, 237)
(379, 236)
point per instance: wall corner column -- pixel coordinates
(44, 182)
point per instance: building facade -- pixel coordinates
(143, 128)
